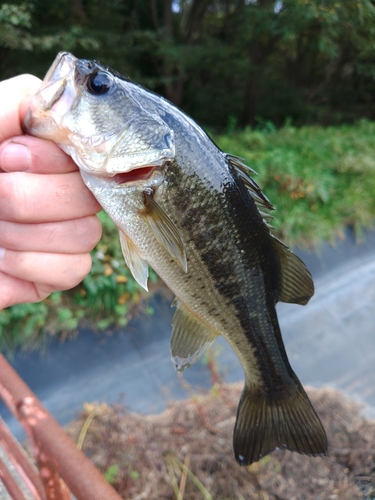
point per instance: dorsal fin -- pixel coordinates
(297, 286)
(238, 162)
(243, 172)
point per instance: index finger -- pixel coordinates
(34, 155)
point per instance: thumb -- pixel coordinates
(15, 96)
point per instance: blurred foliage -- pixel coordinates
(319, 179)
(309, 61)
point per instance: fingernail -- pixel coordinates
(2, 253)
(15, 157)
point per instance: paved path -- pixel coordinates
(330, 342)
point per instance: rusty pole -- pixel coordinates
(54, 445)
(24, 468)
(9, 483)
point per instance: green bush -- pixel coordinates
(319, 179)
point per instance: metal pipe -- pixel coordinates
(80, 475)
(21, 463)
(10, 483)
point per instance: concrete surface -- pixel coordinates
(330, 342)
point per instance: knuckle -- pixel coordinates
(79, 269)
(42, 291)
(8, 235)
(62, 192)
(8, 195)
(50, 232)
(47, 157)
(94, 231)
(14, 199)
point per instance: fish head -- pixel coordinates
(92, 113)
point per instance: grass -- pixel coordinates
(319, 180)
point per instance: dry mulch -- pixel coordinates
(186, 452)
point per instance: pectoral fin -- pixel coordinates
(297, 285)
(164, 230)
(137, 265)
(190, 338)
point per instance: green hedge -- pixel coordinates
(319, 179)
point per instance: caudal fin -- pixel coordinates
(264, 424)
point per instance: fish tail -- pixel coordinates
(264, 424)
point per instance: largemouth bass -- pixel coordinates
(194, 214)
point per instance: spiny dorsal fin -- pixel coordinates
(266, 215)
(243, 172)
(190, 338)
(296, 282)
(164, 230)
(297, 286)
(266, 218)
(137, 265)
(264, 424)
(238, 162)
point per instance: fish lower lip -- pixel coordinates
(138, 174)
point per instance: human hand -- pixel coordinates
(47, 222)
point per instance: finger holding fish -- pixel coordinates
(37, 267)
(15, 291)
(33, 276)
(30, 154)
(51, 237)
(47, 229)
(29, 198)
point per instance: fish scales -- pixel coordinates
(226, 261)
(197, 217)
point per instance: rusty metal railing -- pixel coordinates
(62, 469)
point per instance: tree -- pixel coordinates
(237, 61)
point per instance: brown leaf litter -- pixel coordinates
(186, 452)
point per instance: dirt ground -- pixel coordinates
(186, 452)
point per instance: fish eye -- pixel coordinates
(98, 83)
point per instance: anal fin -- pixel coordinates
(137, 265)
(264, 424)
(190, 338)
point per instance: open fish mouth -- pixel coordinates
(137, 174)
(54, 98)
